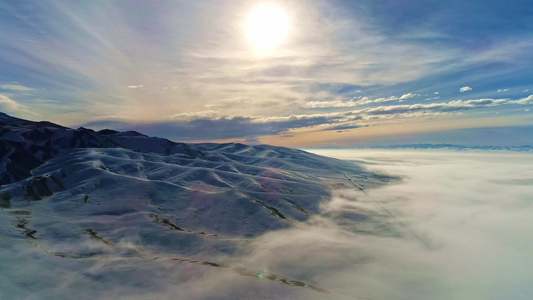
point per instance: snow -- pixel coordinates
(134, 217)
(115, 210)
(147, 230)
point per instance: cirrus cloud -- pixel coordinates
(407, 96)
(212, 125)
(15, 87)
(12, 106)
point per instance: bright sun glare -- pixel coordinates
(267, 26)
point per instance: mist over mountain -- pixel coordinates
(278, 185)
(121, 214)
(236, 149)
(113, 191)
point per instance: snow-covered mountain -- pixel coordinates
(62, 187)
(26, 144)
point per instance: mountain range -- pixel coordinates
(62, 187)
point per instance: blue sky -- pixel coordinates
(345, 73)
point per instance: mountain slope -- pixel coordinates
(76, 198)
(231, 189)
(26, 144)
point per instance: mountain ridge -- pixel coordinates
(231, 182)
(123, 207)
(33, 143)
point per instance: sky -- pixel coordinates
(309, 73)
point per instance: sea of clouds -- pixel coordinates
(463, 222)
(457, 226)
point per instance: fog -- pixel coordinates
(462, 224)
(456, 226)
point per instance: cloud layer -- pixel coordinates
(455, 232)
(209, 124)
(446, 231)
(13, 107)
(196, 55)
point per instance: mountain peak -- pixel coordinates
(4, 116)
(28, 144)
(231, 189)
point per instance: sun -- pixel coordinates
(267, 26)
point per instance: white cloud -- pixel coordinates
(391, 98)
(442, 107)
(214, 64)
(439, 225)
(451, 106)
(296, 117)
(502, 90)
(230, 103)
(204, 114)
(465, 89)
(352, 103)
(266, 125)
(12, 106)
(436, 93)
(335, 103)
(397, 111)
(407, 96)
(15, 87)
(527, 100)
